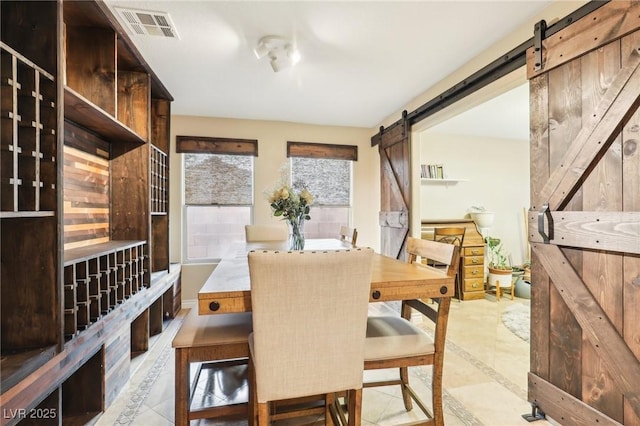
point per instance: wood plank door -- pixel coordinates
(584, 221)
(395, 189)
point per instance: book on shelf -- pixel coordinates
(432, 171)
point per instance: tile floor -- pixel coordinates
(485, 378)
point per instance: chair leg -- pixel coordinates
(406, 395)
(436, 398)
(263, 414)
(329, 400)
(253, 406)
(183, 387)
(355, 407)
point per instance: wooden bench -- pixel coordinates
(221, 338)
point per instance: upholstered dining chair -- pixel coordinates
(273, 232)
(451, 235)
(349, 235)
(309, 326)
(395, 342)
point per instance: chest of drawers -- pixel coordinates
(471, 272)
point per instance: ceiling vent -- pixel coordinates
(148, 22)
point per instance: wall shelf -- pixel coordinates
(442, 181)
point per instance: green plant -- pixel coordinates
(498, 257)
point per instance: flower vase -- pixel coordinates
(296, 233)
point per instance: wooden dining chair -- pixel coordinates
(451, 235)
(274, 232)
(349, 235)
(309, 326)
(395, 342)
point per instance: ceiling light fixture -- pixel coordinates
(281, 52)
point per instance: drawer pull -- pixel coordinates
(214, 306)
(443, 290)
(474, 272)
(475, 261)
(375, 295)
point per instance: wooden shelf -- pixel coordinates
(9, 215)
(84, 113)
(96, 250)
(17, 365)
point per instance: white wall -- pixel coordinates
(272, 140)
(497, 177)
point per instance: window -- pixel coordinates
(326, 171)
(218, 197)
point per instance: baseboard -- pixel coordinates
(189, 304)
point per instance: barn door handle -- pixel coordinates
(545, 212)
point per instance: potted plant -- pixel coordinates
(500, 269)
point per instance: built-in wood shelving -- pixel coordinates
(77, 293)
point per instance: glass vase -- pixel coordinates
(296, 233)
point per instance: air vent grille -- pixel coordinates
(146, 22)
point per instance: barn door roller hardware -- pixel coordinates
(501, 66)
(539, 33)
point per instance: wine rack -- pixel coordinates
(98, 278)
(159, 181)
(28, 137)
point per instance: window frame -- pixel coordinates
(219, 146)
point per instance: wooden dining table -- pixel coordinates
(228, 288)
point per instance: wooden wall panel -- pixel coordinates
(134, 101)
(86, 198)
(130, 203)
(160, 121)
(91, 66)
(117, 364)
(35, 325)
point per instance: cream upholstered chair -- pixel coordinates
(266, 232)
(309, 325)
(349, 235)
(394, 342)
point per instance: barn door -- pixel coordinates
(584, 221)
(395, 189)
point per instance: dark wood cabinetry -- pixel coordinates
(84, 169)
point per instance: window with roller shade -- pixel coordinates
(218, 198)
(326, 170)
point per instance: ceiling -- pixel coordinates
(504, 117)
(361, 61)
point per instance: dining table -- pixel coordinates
(228, 288)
